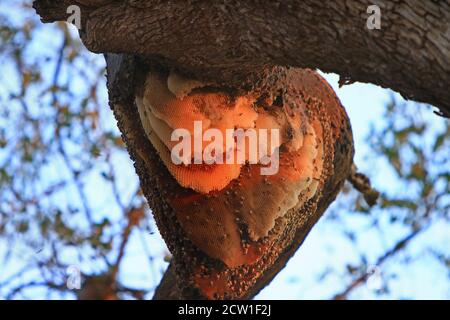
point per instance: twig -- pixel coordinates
(362, 183)
(394, 250)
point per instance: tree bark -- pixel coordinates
(225, 42)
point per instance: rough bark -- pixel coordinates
(225, 42)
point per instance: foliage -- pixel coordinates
(65, 198)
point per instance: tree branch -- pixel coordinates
(362, 183)
(399, 246)
(225, 42)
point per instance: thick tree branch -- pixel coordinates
(226, 41)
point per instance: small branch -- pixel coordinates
(388, 254)
(134, 215)
(31, 284)
(59, 141)
(362, 183)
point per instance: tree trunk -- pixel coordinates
(224, 42)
